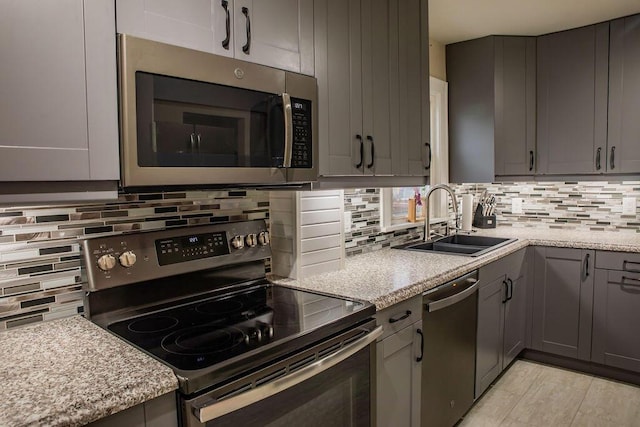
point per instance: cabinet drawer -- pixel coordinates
(624, 278)
(509, 265)
(625, 261)
(399, 316)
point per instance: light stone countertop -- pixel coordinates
(390, 276)
(70, 372)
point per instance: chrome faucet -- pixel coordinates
(427, 228)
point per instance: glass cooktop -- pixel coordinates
(209, 331)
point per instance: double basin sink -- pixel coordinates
(459, 244)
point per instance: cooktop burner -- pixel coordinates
(202, 333)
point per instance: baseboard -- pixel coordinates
(582, 366)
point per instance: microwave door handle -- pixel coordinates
(198, 141)
(192, 138)
(154, 137)
(288, 130)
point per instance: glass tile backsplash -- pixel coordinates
(40, 272)
(593, 206)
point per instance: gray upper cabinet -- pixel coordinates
(623, 149)
(277, 33)
(563, 301)
(371, 61)
(616, 318)
(492, 98)
(572, 80)
(59, 102)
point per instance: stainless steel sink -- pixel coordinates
(459, 244)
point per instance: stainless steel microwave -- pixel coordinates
(192, 118)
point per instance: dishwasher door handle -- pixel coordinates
(432, 306)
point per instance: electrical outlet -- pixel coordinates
(347, 221)
(516, 205)
(629, 206)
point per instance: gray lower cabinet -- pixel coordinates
(572, 81)
(277, 33)
(371, 60)
(563, 301)
(158, 412)
(623, 144)
(502, 300)
(492, 106)
(59, 94)
(616, 310)
(399, 372)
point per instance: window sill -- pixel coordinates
(405, 225)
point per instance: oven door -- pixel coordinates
(331, 384)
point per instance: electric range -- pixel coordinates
(197, 299)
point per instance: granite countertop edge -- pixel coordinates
(448, 266)
(70, 372)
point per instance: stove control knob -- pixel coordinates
(251, 239)
(106, 262)
(237, 242)
(253, 334)
(127, 259)
(267, 331)
(263, 238)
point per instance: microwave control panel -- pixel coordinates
(302, 138)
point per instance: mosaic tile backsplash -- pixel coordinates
(40, 273)
(589, 206)
(365, 235)
(592, 206)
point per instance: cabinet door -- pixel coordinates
(277, 33)
(491, 298)
(413, 102)
(572, 99)
(623, 153)
(470, 73)
(338, 58)
(616, 319)
(48, 134)
(378, 18)
(515, 103)
(515, 320)
(399, 378)
(195, 24)
(563, 301)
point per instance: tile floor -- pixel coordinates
(532, 394)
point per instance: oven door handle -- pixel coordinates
(288, 130)
(215, 410)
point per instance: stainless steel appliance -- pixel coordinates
(448, 367)
(193, 118)
(246, 352)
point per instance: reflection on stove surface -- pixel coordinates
(211, 330)
(202, 340)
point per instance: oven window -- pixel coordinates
(339, 396)
(184, 123)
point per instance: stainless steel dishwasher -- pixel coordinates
(448, 366)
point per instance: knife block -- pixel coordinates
(482, 221)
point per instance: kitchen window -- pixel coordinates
(394, 206)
